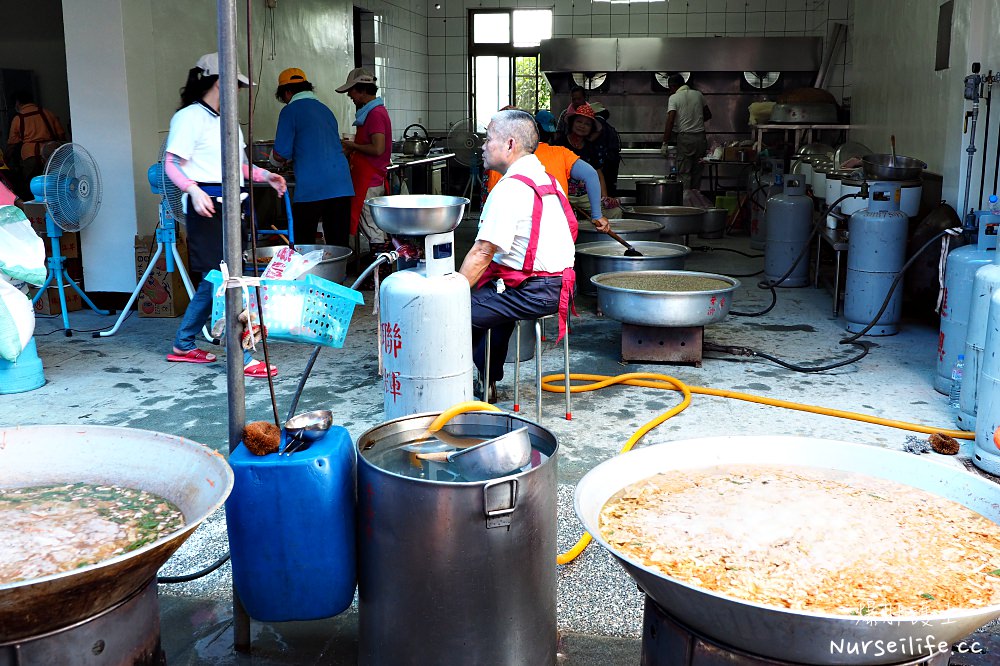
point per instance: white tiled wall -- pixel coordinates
(448, 53)
(396, 41)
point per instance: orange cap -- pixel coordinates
(291, 75)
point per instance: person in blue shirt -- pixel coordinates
(308, 136)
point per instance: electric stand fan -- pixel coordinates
(70, 189)
(467, 144)
(171, 211)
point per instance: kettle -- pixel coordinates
(414, 145)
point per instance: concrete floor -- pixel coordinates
(125, 381)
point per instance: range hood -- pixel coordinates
(681, 54)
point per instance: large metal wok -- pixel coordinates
(195, 478)
(664, 308)
(798, 637)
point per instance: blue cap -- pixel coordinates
(993, 198)
(546, 120)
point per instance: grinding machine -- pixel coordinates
(425, 315)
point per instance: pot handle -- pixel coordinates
(499, 502)
(409, 127)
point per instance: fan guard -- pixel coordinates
(466, 143)
(72, 187)
(761, 80)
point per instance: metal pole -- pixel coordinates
(232, 246)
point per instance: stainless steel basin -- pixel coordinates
(629, 229)
(417, 214)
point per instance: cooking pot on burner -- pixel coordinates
(768, 631)
(193, 477)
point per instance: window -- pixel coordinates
(503, 55)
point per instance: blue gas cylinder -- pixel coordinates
(956, 301)
(876, 253)
(788, 232)
(291, 530)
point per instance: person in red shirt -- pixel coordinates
(368, 154)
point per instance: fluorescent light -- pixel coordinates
(627, 2)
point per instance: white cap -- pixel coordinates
(359, 75)
(209, 64)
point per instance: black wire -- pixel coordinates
(851, 340)
(892, 287)
(186, 578)
(709, 248)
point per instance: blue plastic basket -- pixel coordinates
(310, 310)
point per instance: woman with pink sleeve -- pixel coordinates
(193, 161)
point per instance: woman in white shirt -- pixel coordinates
(193, 162)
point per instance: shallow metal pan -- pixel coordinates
(797, 637)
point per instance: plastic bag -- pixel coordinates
(287, 264)
(22, 253)
(17, 321)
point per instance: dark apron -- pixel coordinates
(205, 247)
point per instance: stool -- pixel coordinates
(539, 337)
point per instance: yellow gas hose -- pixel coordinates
(555, 384)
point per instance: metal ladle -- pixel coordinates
(892, 142)
(495, 457)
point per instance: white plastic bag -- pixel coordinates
(22, 253)
(17, 321)
(287, 264)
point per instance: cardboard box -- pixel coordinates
(163, 294)
(69, 242)
(49, 303)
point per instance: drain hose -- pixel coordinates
(554, 383)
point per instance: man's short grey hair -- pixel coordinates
(518, 125)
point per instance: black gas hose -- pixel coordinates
(850, 340)
(769, 284)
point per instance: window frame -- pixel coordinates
(475, 49)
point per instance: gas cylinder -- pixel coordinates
(425, 334)
(789, 227)
(876, 252)
(987, 454)
(956, 298)
(986, 282)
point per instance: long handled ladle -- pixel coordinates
(630, 251)
(892, 142)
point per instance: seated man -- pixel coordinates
(525, 238)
